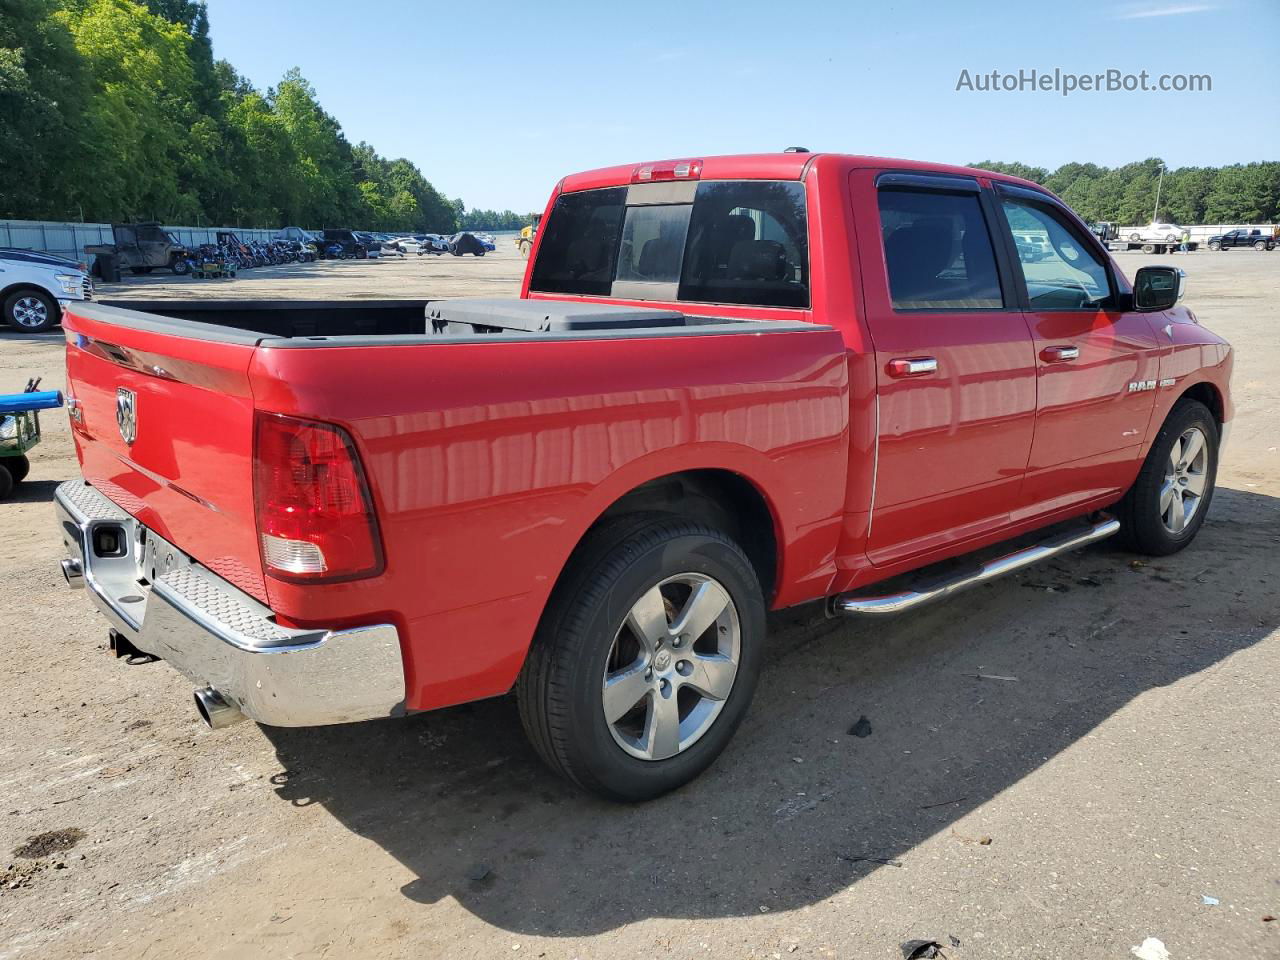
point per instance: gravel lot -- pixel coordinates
(1129, 773)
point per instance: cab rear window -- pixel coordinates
(740, 242)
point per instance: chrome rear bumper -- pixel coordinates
(218, 636)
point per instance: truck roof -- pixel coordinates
(771, 166)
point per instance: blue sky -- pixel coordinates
(496, 100)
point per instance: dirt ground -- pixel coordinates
(1125, 785)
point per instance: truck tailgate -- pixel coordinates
(163, 422)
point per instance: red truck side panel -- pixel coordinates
(489, 461)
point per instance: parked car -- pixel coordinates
(713, 397)
(1032, 248)
(142, 247)
(296, 235)
(35, 287)
(466, 242)
(348, 245)
(1242, 238)
(371, 245)
(1156, 233)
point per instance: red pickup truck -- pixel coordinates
(729, 385)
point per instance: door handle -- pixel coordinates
(1059, 354)
(912, 366)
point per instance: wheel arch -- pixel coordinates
(1208, 394)
(722, 499)
(12, 288)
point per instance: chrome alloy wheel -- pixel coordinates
(1185, 477)
(672, 666)
(30, 312)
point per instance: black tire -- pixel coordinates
(1148, 248)
(6, 482)
(1142, 527)
(1215, 246)
(181, 267)
(1260, 246)
(19, 467)
(560, 688)
(52, 312)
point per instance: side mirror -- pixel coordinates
(1157, 288)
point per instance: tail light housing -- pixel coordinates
(316, 522)
(667, 170)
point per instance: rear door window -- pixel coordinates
(740, 242)
(938, 251)
(579, 247)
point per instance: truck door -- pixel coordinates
(127, 246)
(956, 383)
(1096, 364)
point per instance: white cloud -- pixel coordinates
(1165, 10)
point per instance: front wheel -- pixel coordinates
(1164, 509)
(31, 310)
(181, 267)
(1215, 246)
(646, 658)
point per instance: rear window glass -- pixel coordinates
(938, 251)
(653, 243)
(740, 242)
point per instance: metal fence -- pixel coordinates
(70, 239)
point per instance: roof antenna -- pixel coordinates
(796, 150)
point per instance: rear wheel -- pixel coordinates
(6, 482)
(181, 266)
(1260, 245)
(646, 659)
(31, 310)
(1165, 507)
(19, 467)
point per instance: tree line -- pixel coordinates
(1240, 193)
(117, 110)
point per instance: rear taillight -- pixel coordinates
(668, 170)
(316, 522)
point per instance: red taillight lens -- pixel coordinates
(315, 516)
(668, 170)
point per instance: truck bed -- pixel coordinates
(488, 454)
(382, 321)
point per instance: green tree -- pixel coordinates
(43, 96)
(1034, 174)
(140, 114)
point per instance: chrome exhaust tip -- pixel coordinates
(74, 572)
(215, 711)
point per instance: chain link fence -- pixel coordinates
(69, 239)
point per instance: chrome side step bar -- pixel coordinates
(851, 605)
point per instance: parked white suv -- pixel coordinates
(34, 287)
